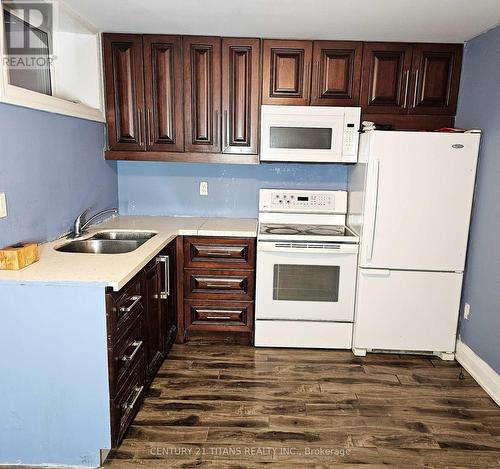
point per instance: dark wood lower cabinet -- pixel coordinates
(141, 327)
(218, 289)
(155, 328)
(169, 304)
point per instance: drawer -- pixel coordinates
(124, 307)
(128, 401)
(219, 284)
(217, 315)
(126, 353)
(227, 253)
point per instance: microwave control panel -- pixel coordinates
(303, 201)
(351, 135)
(352, 119)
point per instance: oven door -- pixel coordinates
(306, 281)
(291, 133)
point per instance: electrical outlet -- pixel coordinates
(203, 188)
(3, 205)
(466, 311)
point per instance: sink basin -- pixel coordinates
(108, 242)
(124, 235)
(101, 246)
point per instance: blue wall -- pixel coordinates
(479, 107)
(173, 188)
(51, 169)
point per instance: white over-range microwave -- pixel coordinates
(310, 134)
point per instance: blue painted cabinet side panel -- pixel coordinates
(54, 393)
(479, 107)
(233, 190)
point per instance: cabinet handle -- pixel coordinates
(135, 299)
(131, 405)
(139, 125)
(218, 317)
(406, 88)
(219, 285)
(166, 266)
(219, 253)
(316, 79)
(148, 127)
(416, 89)
(226, 128)
(216, 133)
(221, 311)
(307, 82)
(137, 344)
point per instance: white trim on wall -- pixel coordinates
(26, 98)
(486, 376)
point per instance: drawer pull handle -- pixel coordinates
(219, 285)
(131, 405)
(218, 317)
(215, 311)
(219, 253)
(135, 299)
(137, 344)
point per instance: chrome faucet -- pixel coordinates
(81, 223)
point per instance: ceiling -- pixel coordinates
(370, 20)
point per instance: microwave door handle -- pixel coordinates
(375, 171)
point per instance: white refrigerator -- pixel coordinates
(410, 199)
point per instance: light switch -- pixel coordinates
(3, 205)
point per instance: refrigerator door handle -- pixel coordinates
(375, 177)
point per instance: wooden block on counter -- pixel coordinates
(18, 256)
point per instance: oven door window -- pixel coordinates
(301, 138)
(293, 282)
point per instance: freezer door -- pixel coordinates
(412, 311)
(418, 200)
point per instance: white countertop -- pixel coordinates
(115, 270)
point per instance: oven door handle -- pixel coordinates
(266, 246)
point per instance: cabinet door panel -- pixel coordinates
(169, 304)
(240, 95)
(436, 69)
(286, 72)
(155, 328)
(124, 91)
(386, 77)
(202, 88)
(164, 92)
(336, 75)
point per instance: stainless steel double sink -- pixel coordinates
(108, 242)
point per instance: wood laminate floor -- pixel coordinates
(222, 406)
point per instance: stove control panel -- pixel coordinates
(297, 201)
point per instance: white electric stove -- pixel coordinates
(306, 270)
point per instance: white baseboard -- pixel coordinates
(486, 376)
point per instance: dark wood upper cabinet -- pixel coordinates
(436, 78)
(240, 95)
(336, 73)
(386, 77)
(202, 91)
(164, 93)
(286, 74)
(196, 98)
(124, 90)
